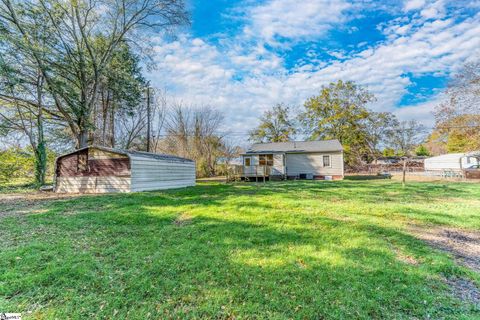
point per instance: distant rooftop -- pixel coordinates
(297, 146)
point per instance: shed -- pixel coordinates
(99, 170)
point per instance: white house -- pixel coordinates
(452, 161)
(294, 160)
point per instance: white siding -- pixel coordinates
(92, 184)
(255, 160)
(312, 163)
(155, 174)
(278, 168)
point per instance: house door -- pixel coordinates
(248, 168)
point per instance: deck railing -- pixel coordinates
(256, 171)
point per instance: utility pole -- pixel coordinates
(148, 116)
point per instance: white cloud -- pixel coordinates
(294, 20)
(413, 4)
(423, 111)
(434, 10)
(243, 82)
(436, 46)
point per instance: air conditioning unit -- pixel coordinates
(309, 176)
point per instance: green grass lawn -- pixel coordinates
(302, 250)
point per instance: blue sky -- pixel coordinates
(242, 57)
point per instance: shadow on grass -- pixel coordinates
(366, 177)
(18, 187)
(123, 256)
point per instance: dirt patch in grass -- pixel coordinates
(183, 220)
(462, 244)
(405, 258)
(401, 256)
(28, 203)
(465, 290)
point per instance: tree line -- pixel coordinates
(68, 69)
(71, 76)
(340, 111)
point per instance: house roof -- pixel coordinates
(296, 146)
(137, 154)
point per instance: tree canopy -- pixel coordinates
(276, 125)
(72, 44)
(339, 112)
(458, 118)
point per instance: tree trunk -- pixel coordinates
(148, 118)
(104, 117)
(40, 163)
(112, 124)
(40, 149)
(82, 139)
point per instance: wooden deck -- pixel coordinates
(256, 171)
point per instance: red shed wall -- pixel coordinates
(100, 164)
(99, 171)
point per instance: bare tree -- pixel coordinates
(194, 133)
(28, 121)
(206, 139)
(131, 125)
(178, 130)
(406, 135)
(229, 152)
(82, 37)
(380, 127)
(23, 112)
(458, 118)
(159, 114)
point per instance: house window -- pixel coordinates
(265, 160)
(269, 159)
(247, 162)
(82, 162)
(326, 161)
(262, 160)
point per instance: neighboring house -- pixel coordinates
(99, 170)
(294, 160)
(452, 161)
